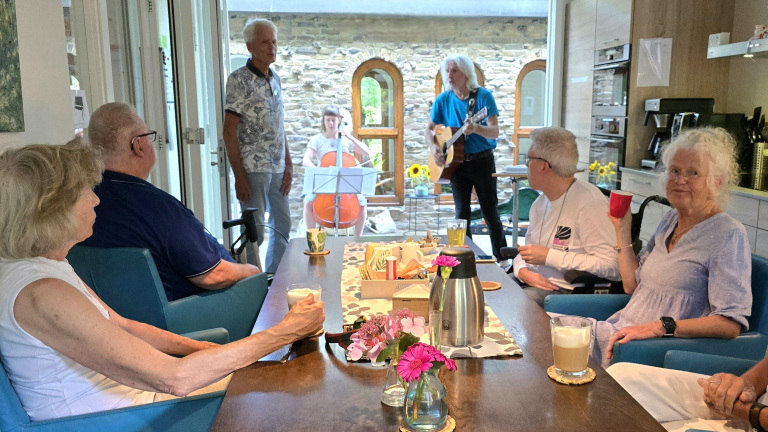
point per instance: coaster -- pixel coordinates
(588, 378)
(325, 252)
(450, 425)
(490, 285)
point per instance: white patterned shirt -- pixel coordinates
(258, 100)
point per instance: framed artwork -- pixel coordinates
(11, 106)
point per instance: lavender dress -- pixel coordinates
(707, 273)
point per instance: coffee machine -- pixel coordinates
(670, 116)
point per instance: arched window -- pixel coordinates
(445, 190)
(377, 117)
(529, 106)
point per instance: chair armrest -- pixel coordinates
(215, 335)
(599, 307)
(508, 252)
(234, 308)
(195, 413)
(749, 345)
(707, 364)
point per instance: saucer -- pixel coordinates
(324, 252)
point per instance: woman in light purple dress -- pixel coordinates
(693, 279)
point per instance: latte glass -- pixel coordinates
(572, 342)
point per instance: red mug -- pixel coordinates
(619, 203)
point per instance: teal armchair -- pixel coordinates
(749, 345)
(707, 364)
(127, 280)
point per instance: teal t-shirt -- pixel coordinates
(449, 110)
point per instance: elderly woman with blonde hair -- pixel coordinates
(693, 278)
(65, 351)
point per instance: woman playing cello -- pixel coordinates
(325, 142)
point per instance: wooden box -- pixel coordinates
(415, 297)
(385, 289)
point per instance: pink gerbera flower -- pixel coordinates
(445, 261)
(413, 362)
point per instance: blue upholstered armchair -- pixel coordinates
(127, 280)
(749, 345)
(195, 413)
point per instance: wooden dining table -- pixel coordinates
(317, 389)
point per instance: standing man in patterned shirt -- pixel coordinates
(255, 138)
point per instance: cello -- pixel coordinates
(336, 210)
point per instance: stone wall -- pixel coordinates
(318, 55)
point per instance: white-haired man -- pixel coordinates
(134, 213)
(254, 135)
(569, 229)
(451, 109)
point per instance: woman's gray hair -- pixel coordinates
(252, 25)
(558, 147)
(720, 146)
(110, 126)
(41, 184)
(465, 65)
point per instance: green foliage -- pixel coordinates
(11, 108)
(370, 98)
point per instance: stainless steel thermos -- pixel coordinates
(463, 301)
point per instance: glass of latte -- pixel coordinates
(572, 342)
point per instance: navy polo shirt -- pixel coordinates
(135, 213)
(449, 110)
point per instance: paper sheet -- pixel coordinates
(653, 62)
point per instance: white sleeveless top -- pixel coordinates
(49, 384)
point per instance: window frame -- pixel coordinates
(394, 133)
(524, 132)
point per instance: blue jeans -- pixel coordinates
(479, 173)
(267, 197)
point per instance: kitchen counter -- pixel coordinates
(745, 192)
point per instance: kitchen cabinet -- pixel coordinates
(746, 206)
(613, 23)
(578, 60)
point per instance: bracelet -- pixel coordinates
(619, 248)
(754, 417)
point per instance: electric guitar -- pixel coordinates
(451, 142)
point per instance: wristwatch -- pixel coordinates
(754, 417)
(669, 325)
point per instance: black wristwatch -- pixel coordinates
(669, 325)
(754, 417)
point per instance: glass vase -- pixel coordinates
(421, 190)
(425, 405)
(393, 393)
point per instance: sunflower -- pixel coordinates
(601, 171)
(414, 171)
(593, 166)
(425, 170)
(611, 165)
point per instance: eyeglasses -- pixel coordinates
(530, 158)
(690, 175)
(152, 135)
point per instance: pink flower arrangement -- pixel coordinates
(386, 335)
(420, 358)
(446, 264)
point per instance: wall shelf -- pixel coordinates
(759, 47)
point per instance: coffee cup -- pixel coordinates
(619, 203)
(571, 344)
(316, 239)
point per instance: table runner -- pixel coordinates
(497, 341)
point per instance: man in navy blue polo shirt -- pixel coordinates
(135, 213)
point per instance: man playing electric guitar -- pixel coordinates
(451, 108)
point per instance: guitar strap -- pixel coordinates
(472, 104)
